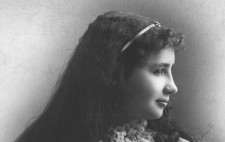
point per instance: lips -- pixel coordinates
(162, 102)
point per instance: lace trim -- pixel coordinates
(129, 133)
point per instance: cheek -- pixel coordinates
(143, 90)
(144, 86)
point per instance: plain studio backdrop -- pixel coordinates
(37, 38)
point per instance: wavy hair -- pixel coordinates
(82, 106)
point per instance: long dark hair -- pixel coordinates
(82, 107)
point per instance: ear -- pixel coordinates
(122, 80)
(121, 75)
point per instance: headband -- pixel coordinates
(157, 24)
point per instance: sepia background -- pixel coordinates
(37, 38)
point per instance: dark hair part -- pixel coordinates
(80, 109)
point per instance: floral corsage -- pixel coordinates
(129, 133)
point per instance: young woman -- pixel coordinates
(116, 87)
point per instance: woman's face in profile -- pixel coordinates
(150, 86)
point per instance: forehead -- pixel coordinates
(165, 55)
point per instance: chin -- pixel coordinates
(155, 115)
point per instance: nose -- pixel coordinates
(170, 87)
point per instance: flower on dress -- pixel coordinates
(130, 133)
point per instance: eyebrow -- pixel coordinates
(161, 65)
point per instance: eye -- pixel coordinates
(159, 72)
(173, 67)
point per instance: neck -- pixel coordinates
(139, 122)
(121, 111)
(123, 117)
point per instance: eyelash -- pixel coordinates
(172, 69)
(159, 72)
